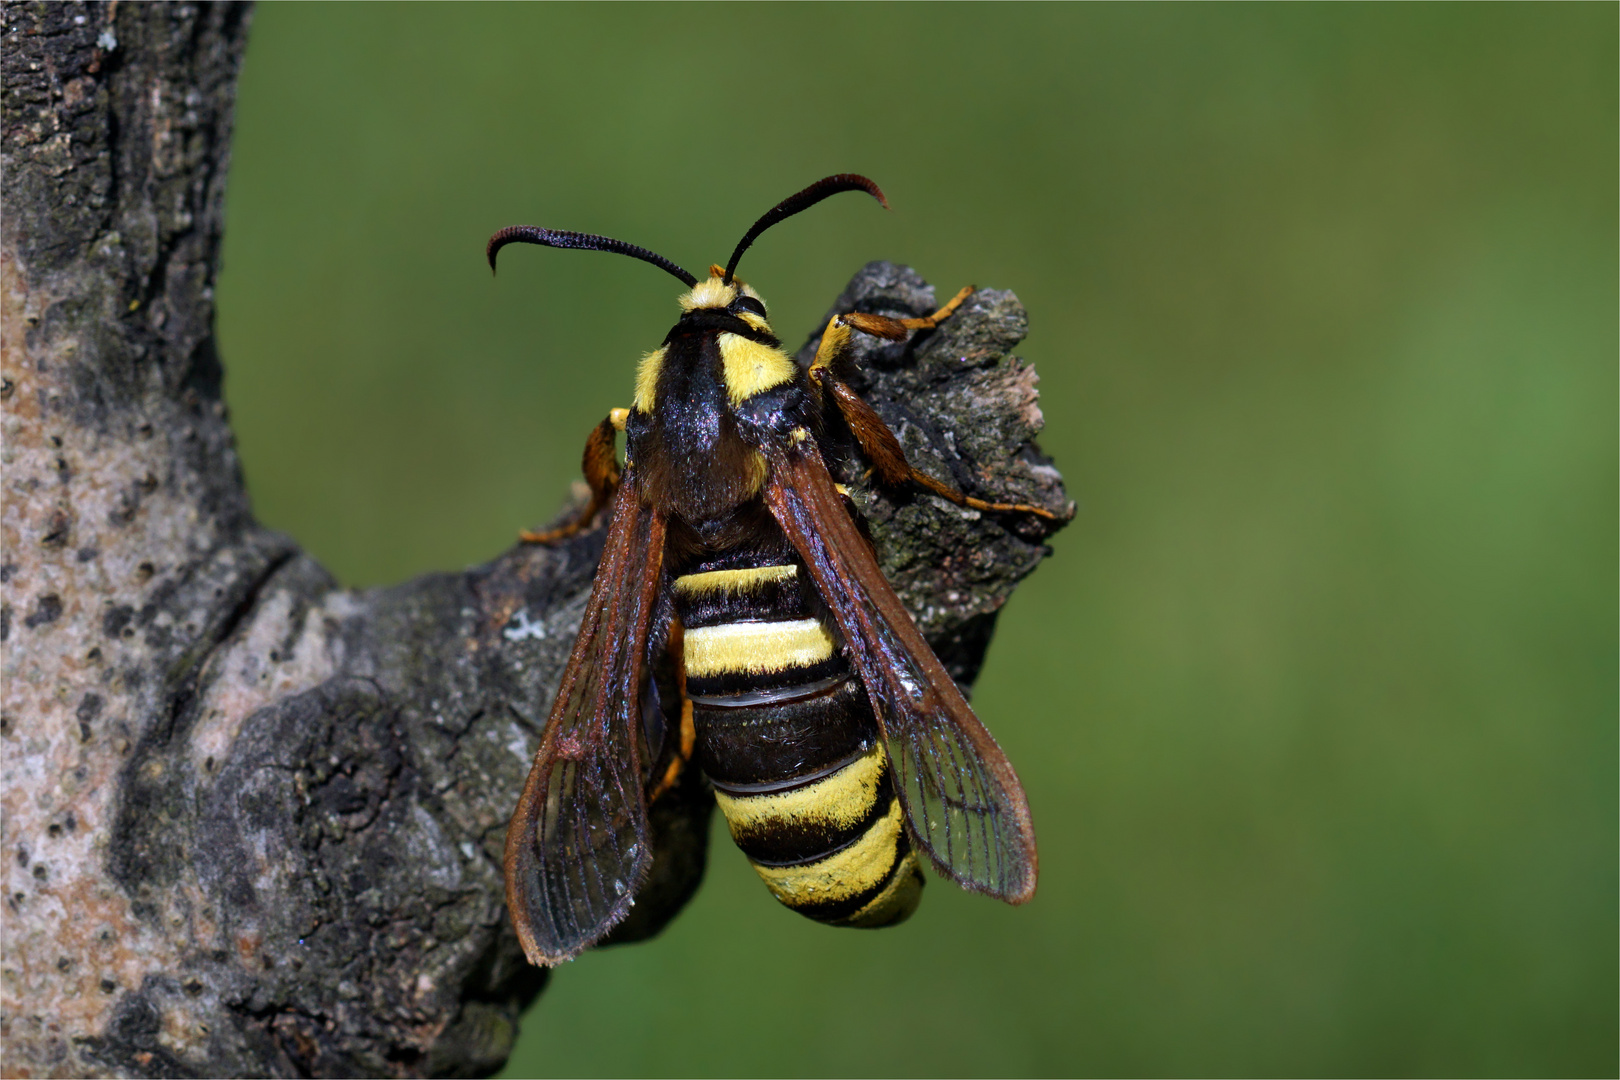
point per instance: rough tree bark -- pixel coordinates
(252, 821)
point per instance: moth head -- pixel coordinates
(734, 297)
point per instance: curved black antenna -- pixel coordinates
(534, 234)
(804, 200)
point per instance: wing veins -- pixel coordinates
(924, 717)
(583, 808)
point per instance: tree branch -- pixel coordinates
(253, 822)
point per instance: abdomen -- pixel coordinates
(786, 735)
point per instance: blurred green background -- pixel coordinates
(1315, 703)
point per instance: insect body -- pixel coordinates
(837, 746)
(786, 735)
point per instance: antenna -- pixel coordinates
(804, 200)
(534, 234)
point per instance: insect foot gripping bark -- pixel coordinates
(740, 625)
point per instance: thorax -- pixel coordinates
(692, 433)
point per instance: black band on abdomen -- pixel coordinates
(782, 741)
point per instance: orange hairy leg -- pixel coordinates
(876, 441)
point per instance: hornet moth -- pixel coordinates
(739, 624)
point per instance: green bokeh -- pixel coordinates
(1316, 702)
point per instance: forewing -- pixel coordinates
(962, 799)
(577, 847)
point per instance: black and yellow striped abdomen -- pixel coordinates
(786, 735)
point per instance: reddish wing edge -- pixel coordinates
(963, 802)
(577, 847)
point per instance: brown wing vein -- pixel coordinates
(962, 799)
(577, 847)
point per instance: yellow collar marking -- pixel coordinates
(708, 294)
(755, 321)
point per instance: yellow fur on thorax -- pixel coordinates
(711, 293)
(752, 367)
(647, 381)
(749, 366)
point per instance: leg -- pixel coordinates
(931, 321)
(877, 442)
(601, 467)
(888, 459)
(681, 753)
(836, 335)
(680, 757)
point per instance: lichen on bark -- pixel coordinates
(253, 821)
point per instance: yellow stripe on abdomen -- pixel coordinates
(755, 648)
(839, 801)
(733, 582)
(856, 869)
(896, 902)
(865, 876)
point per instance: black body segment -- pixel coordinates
(963, 801)
(787, 736)
(777, 743)
(684, 435)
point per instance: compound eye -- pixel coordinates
(748, 303)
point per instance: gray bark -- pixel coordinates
(252, 821)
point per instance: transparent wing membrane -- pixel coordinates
(963, 802)
(577, 846)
